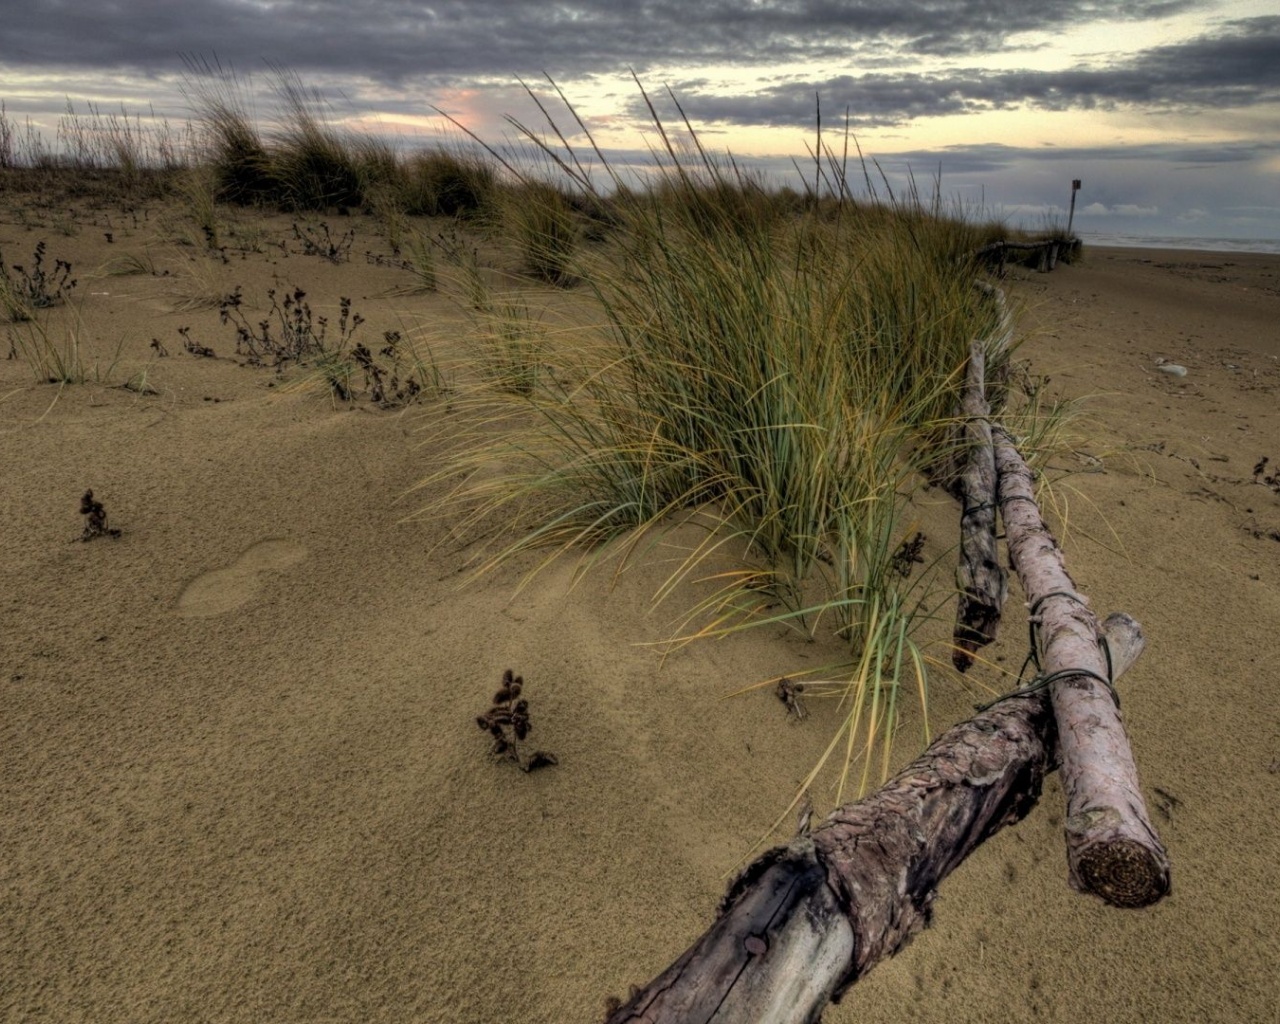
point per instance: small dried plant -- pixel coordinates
(507, 721)
(95, 519)
(22, 291)
(908, 555)
(192, 346)
(1261, 476)
(389, 378)
(789, 692)
(289, 332)
(395, 374)
(319, 241)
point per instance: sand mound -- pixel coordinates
(240, 778)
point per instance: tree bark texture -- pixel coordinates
(805, 921)
(980, 579)
(955, 445)
(1113, 850)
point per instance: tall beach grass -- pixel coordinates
(785, 376)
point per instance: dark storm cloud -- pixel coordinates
(1237, 66)
(391, 40)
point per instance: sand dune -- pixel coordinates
(239, 774)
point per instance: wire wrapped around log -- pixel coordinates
(1113, 850)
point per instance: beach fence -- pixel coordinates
(1045, 253)
(806, 920)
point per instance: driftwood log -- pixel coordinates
(980, 578)
(1112, 848)
(955, 446)
(805, 921)
(1047, 251)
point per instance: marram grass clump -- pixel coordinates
(787, 375)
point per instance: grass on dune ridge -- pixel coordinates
(779, 367)
(784, 378)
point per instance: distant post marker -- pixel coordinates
(1075, 187)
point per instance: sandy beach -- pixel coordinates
(240, 779)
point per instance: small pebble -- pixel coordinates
(1172, 369)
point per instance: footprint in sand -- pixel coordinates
(225, 590)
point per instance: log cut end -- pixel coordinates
(1123, 873)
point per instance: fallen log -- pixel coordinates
(991, 247)
(805, 921)
(1047, 252)
(954, 447)
(980, 578)
(1113, 850)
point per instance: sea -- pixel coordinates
(1262, 245)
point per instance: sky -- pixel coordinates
(1168, 111)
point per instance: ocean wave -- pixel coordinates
(1260, 245)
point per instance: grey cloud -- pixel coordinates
(1239, 65)
(391, 40)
